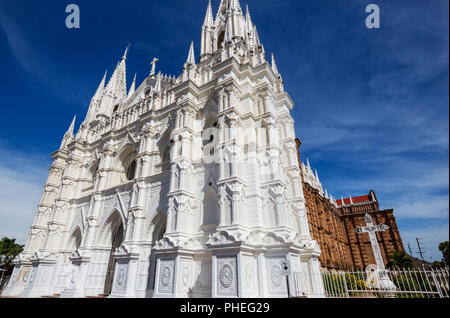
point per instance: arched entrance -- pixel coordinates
(157, 229)
(116, 241)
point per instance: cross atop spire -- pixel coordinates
(153, 63)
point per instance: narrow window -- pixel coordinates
(131, 171)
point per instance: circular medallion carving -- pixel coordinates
(226, 275)
(25, 276)
(185, 276)
(275, 275)
(166, 274)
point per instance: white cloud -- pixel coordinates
(22, 176)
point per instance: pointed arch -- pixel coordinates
(109, 225)
(127, 161)
(75, 239)
(164, 145)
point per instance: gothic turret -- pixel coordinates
(207, 33)
(189, 66)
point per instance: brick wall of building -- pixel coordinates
(334, 228)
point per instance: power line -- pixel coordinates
(440, 228)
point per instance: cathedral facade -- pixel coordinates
(182, 186)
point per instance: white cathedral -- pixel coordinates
(187, 186)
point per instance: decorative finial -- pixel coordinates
(126, 52)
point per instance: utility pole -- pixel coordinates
(420, 249)
(410, 251)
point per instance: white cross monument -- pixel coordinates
(153, 64)
(383, 280)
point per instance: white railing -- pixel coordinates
(394, 283)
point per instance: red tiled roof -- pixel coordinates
(360, 199)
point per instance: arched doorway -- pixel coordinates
(157, 229)
(116, 241)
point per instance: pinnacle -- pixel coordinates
(72, 126)
(236, 5)
(209, 19)
(191, 57)
(248, 19)
(133, 87)
(274, 65)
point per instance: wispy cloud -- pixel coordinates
(22, 176)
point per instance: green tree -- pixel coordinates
(8, 251)
(443, 247)
(436, 264)
(399, 260)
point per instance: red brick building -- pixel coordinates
(332, 223)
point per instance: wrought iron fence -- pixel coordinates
(395, 283)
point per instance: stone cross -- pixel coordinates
(153, 63)
(372, 229)
(383, 281)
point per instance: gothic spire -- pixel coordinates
(235, 5)
(117, 84)
(209, 19)
(133, 87)
(71, 129)
(68, 136)
(101, 87)
(248, 20)
(191, 57)
(274, 66)
(257, 41)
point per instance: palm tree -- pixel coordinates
(399, 260)
(8, 251)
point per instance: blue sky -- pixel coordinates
(371, 105)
